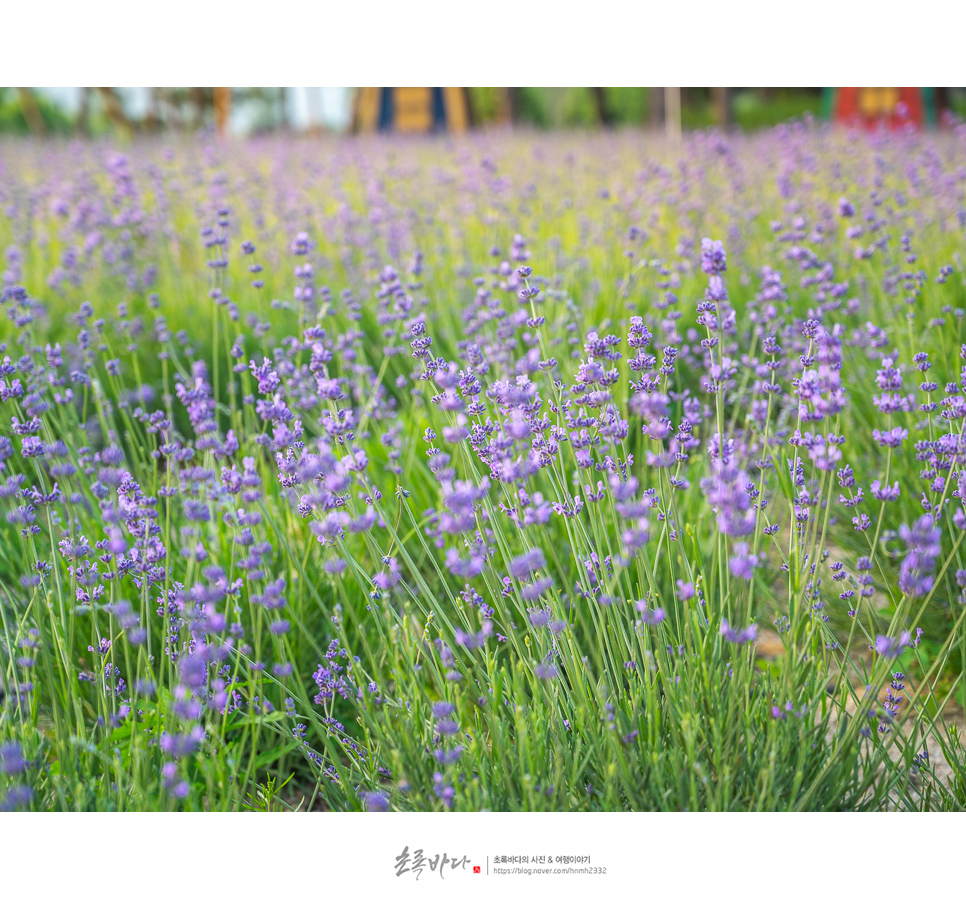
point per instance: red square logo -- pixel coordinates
(476, 870)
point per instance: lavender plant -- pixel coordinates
(474, 474)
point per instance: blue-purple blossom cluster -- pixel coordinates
(458, 447)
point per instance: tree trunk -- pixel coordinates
(672, 112)
(513, 100)
(283, 107)
(600, 104)
(114, 110)
(222, 98)
(196, 94)
(721, 105)
(152, 118)
(81, 127)
(655, 107)
(30, 110)
(472, 117)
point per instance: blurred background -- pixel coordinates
(247, 111)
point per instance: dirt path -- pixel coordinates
(769, 647)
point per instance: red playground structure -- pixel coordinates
(873, 107)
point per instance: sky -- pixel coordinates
(330, 106)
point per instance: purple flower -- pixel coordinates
(742, 563)
(273, 597)
(728, 493)
(637, 536)
(17, 797)
(375, 801)
(524, 566)
(892, 438)
(446, 727)
(739, 636)
(11, 758)
(533, 590)
(464, 568)
(713, 259)
(446, 758)
(181, 745)
(102, 648)
(443, 710)
(889, 647)
(473, 640)
(196, 511)
(445, 792)
(539, 617)
(650, 616)
(923, 542)
(885, 493)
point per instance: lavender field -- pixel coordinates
(500, 472)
